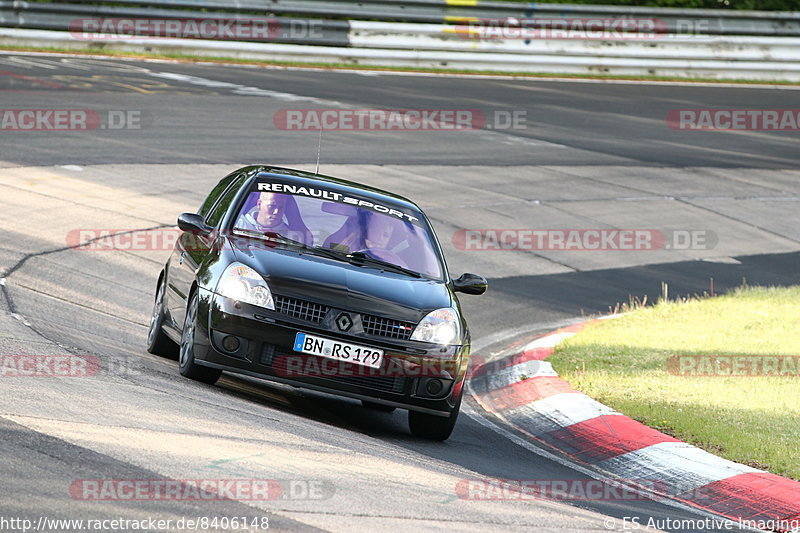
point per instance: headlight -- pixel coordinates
(441, 327)
(242, 283)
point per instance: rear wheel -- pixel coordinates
(186, 363)
(157, 341)
(431, 426)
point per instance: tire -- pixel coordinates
(186, 363)
(433, 427)
(377, 406)
(157, 341)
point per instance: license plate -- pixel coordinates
(342, 351)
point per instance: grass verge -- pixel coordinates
(350, 66)
(754, 420)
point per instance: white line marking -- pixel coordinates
(241, 90)
(500, 336)
(549, 341)
(20, 318)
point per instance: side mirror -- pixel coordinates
(194, 223)
(470, 284)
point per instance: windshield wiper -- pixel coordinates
(360, 258)
(354, 258)
(280, 239)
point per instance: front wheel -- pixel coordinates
(186, 363)
(431, 426)
(157, 341)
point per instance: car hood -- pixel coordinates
(342, 285)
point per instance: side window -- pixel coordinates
(215, 193)
(224, 203)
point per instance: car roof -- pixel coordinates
(303, 177)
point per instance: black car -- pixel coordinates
(319, 283)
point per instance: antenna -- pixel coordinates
(319, 149)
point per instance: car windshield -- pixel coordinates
(337, 222)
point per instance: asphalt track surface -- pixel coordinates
(587, 155)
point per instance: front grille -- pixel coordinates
(383, 327)
(277, 358)
(310, 311)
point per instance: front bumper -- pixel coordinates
(266, 339)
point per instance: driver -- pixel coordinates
(266, 216)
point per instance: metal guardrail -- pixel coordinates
(710, 21)
(63, 17)
(440, 37)
(720, 60)
(773, 56)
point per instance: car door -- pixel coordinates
(191, 249)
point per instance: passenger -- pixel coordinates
(379, 232)
(366, 232)
(378, 236)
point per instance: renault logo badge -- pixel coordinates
(344, 321)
